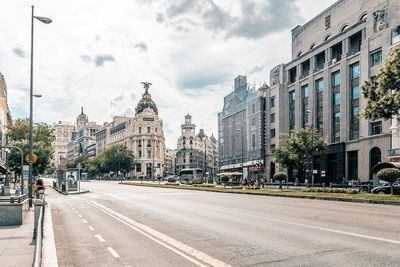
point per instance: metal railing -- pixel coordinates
(38, 234)
(15, 199)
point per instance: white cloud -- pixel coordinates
(95, 55)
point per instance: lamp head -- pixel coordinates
(43, 19)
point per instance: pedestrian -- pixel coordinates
(39, 187)
(17, 186)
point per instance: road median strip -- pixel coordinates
(358, 198)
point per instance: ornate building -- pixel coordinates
(5, 119)
(142, 134)
(196, 151)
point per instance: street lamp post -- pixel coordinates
(46, 21)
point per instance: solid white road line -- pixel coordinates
(187, 252)
(113, 252)
(331, 230)
(91, 228)
(100, 238)
(84, 221)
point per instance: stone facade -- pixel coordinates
(241, 130)
(142, 134)
(63, 134)
(196, 150)
(82, 138)
(332, 55)
(5, 119)
(169, 161)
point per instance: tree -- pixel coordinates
(280, 176)
(297, 151)
(390, 175)
(43, 137)
(383, 96)
(116, 158)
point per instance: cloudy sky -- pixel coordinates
(96, 53)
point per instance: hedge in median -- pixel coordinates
(280, 176)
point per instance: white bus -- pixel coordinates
(191, 176)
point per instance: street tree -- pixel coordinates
(390, 175)
(280, 176)
(297, 151)
(18, 135)
(383, 95)
(116, 158)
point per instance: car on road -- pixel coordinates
(172, 178)
(386, 189)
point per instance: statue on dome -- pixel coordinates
(146, 86)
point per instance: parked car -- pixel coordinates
(368, 186)
(172, 178)
(386, 189)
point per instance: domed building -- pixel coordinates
(142, 134)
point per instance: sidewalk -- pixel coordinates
(17, 247)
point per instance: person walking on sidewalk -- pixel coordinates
(39, 187)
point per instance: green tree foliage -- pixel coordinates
(297, 151)
(116, 158)
(383, 97)
(18, 135)
(280, 176)
(390, 175)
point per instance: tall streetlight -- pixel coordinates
(312, 146)
(46, 21)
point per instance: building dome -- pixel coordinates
(146, 102)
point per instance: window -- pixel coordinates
(335, 82)
(273, 133)
(273, 146)
(292, 75)
(355, 92)
(304, 92)
(336, 100)
(305, 68)
(344, 28)
(355, 43)
(140, 130)
(140, 153)
(253, 121)
(376, 58)
(156, 129)
(253, 141)
(148, 129)
(148, 153)
(337, 51)
(319, 90)
(292, 115)
(272, 102)
(376, 128)
(272, 117)
(320, 61)
(355, 101)
(253, 108)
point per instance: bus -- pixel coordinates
(191, 176)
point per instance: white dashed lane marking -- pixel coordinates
(84, 221)
(80, 215)
(113, 252)
(91, 228)
(100, 238)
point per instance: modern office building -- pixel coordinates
(332, 55)
(241, 130)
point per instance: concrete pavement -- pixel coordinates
(118, 225)
(17, 247)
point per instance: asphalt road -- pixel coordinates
(121, 225)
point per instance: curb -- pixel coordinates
(72, 193)
(365, 201)
(49, 252)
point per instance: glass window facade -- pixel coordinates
(319, 90)
(304, 93)
(355, 101)
(292, 114)
(335, 83)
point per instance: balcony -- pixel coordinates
(394, 152)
